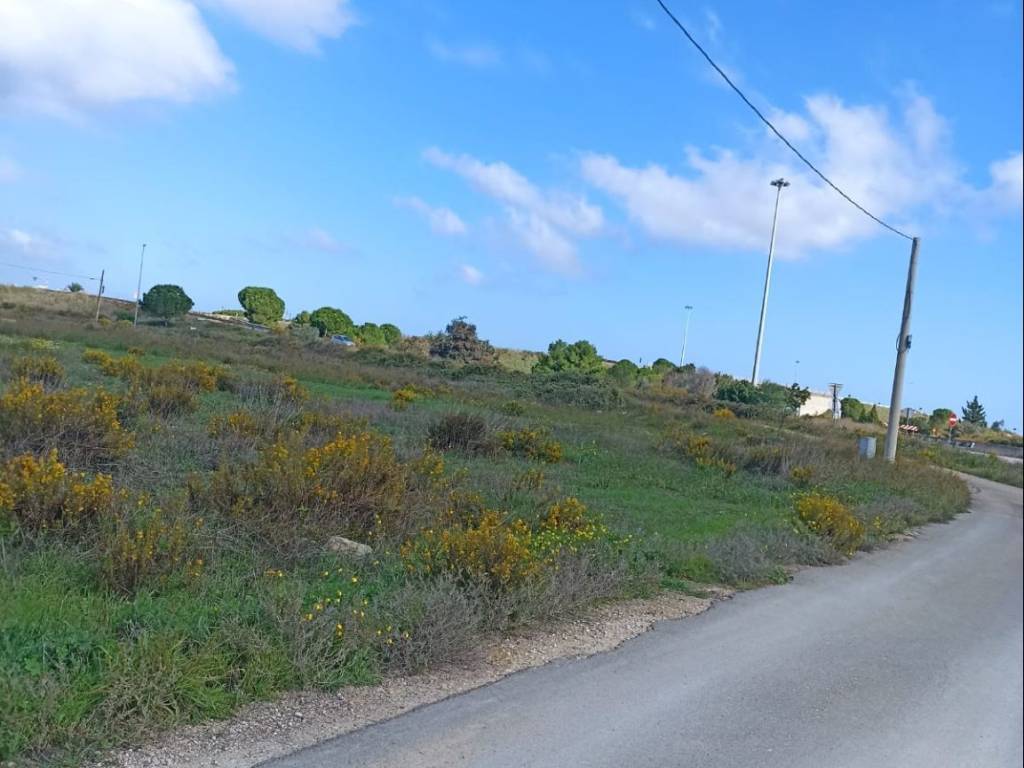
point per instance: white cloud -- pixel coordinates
(443, 221)
(21, 243)
(470, 274)
(322, 240)
(1007, 189)
(545, 221)
(9, 170)
(299, 24)
(63, 56)
(473, 55)
(722, 198)
(642, 20)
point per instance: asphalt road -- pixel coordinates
(906, 657)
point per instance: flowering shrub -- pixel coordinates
(237, 423)
(350, 485)
(533, 444)
(568, 526)
(723, 413)
(501, 551)
(44, 369)
(151, 548)
(830, 518)
(801, 475)
(41, 494)
(403, 397)
(194, 375)
(700, 450)
(85, 424)
(165, 390)
(489, 548)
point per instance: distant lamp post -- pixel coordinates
(796, 372)
(138, 289)
(686, 332)
(755, 377)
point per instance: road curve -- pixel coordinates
(905, 657)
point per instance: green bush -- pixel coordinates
(371, 335)
(261, 305)
(392, 333)
(75, 288)
(562, 357)
(330, 321)
(166, 301)
(624, 373)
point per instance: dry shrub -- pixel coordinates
(44, 369)
(831, 519)
(441, 620)
(460, 432)
(886, 517)
(757, 555)
(83, 425)
(353, 485)
(169, 399)
(532, 443)
(41, 494)
(723, 413)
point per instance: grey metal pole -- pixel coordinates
(686, 332)
(902, 347)
(138, 289)
(99, 294)
(755, 376)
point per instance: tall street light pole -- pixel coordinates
(138, 289)
(755, 377)
(686, 332)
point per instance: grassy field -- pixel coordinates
(169, 496)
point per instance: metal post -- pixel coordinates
(902, 347)
(99, 294)
(755, 376)
(138, 289)
(686, 332)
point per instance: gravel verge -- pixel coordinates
(262, 731)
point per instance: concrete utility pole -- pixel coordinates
(138, 289)
(686, 332)
(902, 347)
(756, 375)
(99, 294)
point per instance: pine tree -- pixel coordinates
(974, 412)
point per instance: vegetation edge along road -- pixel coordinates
(195, 516)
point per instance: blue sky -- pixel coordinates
(549, 170)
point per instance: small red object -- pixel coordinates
(952, 420)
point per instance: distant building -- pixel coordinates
(818, 404)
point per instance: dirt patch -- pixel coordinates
(266, 730)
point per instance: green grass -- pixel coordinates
(987, 465)
(83, 666)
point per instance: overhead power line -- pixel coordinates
(46, 271)
(775, 130)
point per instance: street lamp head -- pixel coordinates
(688, 306)
(780, 183)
